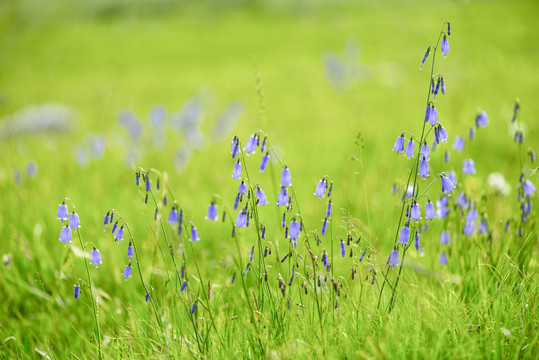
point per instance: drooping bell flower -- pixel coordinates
(410, 147)
(129, 251)
(263, 146)
(324, 226)
(184, 286)
(468, 167)
(443, 259)
(528, 188)
(447, 185)
(424, 57)
(343, 249)
(95, 257)
(404, 234)
(264, 162)
(62, 212)
(399, 144)
(236, 172)
(416, 241)
(282, 199)
(173, 215)
(250, 147)
(127, 271)
(241, 219)
(444, 237)
(445, 46)
(442, 86)
(429, 211)
(74, 221)
(237, 202)
(286, 177)
(294, 230)
(194, 234)
(212, 212)
(481, 119)
(433, 117)
(261, 197)
(119, 234)
(415, 212)
(425, 152)
(77, 291)
(394, 258)
(65, 235)
(328, 210)
(321, 188)
(424, 168)
(442, 133)
(106, 221)
(458, 144)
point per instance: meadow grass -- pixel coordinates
(103, 59)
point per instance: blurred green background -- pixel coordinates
(327, 70)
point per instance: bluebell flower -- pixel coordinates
(184, 286)
(173, 215)
(458, 144)
(236, 202)
(442, 133)
(482, 228)
(324, 226)
(234, 146)
(399, 144)
(362, 255)
(410, 191)
(443, 259)
(129, 251)
(236, 172)
(106, 221)
(286, 177)
(462, 201)
(74, 221)
(263, 146)
(282, 199)
(242, 189)
(62, 212)
(251, 254)
(468, 228)
(394, 258)
(114, 227)
(445, 46)
(343, 249)
(452, 176)
(321, 188)
(442, 86)
(424, 57)
(404, 234)
(437, 87)
(448, 28)
(471, 133)
(424, 168)
(433, 118)
(263, 232)
(147, 183)
(328, 210)
(446, 156)
(471, 216)
(261, 197)
(180, 229)
(432, 86)
(241, 219)
(528, 188)
(95, 257)
(77, 291)
(447, 185)
(212, 212)
(416, 241)
(119, 234)
(429, 210)
(325, 260)
(410, 149)
(264, 162)
(415, 212)
(137, 178)
(294, 230)
(444, 237)
(436, 136)
(481, 119)
(532, 156)
(427, 113)
(127, 271)
(250, 147)
(65, 235)
(468, 167)
(425, 152)
(194, 233)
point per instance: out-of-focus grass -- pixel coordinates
(100, 60)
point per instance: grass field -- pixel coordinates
(83, 87)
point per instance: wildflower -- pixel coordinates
(321, 188)
(399, 144)
(147, 297)
(233, 145)
(425, 152)
(127, 271)
(462, 201)
(237, 202)
(447, 185)
(442, 133)
(147, 183)
(471, 133)
(137, 178)
(286, 177)
(129, 251)
(261, 197)
(282, 199)
(236, 172)
(448, 28)
(65, 235)
(425, 57)
(251, 145)
(429, 210)
(468, 228)
(528, 188)
(482, 228)
(394, 258)
(416, 212)
(95, 257)
(184, 285)
(442, 86)
(443, 259)
(446, 156)
(114, 227)
(324, 226)
(294, 230)
(445, 46)
(328, 210)
(212, 212)
(62, 212)
(416, 241)
(241, 219)
(251, 254)
(404, 234)
(74, 221)
(433, 117)
(105, 221)
(194, 233)
(452, 176)
(343, 249)
(427, 113)
(173, 215)
(263, 146)
(444, 237)
(120, 234)
(424, 168)
(410, 148)
(437, 86)
(77, 291)
(436, 136)
(242, 189)
(471, 216)
(410, 191)
(264, 162)
(468, 167)
(481, 119)
(458, 144)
